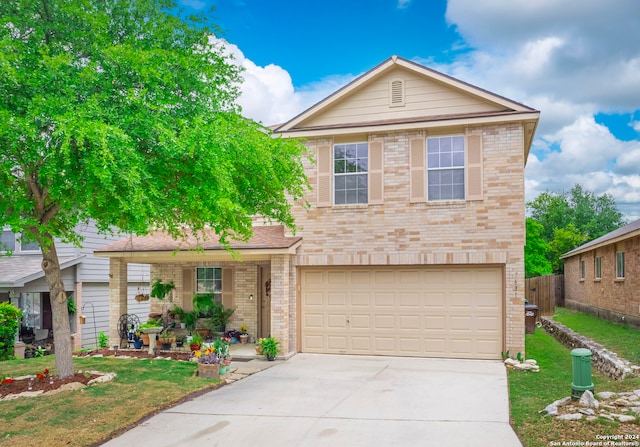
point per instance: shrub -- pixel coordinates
(9, 323)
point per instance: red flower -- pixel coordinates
(46, 371)
(8, 380)
(40, 377)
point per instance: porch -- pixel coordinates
(254, 279)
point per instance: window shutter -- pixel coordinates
(324, 187)
(417, 171)
(474, 180)
(187, 289)
(376, 173)
(227, 287)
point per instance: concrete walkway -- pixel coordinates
(325, 400)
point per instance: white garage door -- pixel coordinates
(423, 312)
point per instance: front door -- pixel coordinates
(264, 303)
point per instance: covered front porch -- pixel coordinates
(254, 279)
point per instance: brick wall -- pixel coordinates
(609, 297)
(490, 231)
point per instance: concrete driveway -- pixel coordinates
(327, 400)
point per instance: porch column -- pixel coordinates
(280, 300)
(118, 282)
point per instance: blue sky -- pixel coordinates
(577, 61)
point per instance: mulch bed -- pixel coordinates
(20, 386)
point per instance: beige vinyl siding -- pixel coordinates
(423, 98)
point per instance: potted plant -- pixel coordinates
(166, 339)
(244, 336)
(180, 339)
(190, 319)
(161, 290)
(208, 362)
(152, 326)
(137, 339)
(270, 347)
(196, 342)
(220, 317)
(233, 335)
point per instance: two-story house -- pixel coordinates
(86, 280)
(413, 244)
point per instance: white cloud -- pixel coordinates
(268, 94)
(402, 4)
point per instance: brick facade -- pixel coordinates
(608, 297)
(490, 231)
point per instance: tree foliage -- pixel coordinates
(119, 112)
(535, 251)
(572, 218)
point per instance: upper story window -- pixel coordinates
(597, 267)
(10, 241)
(445, 168)
(209, 280)
(620, 265)
(350, 170)
(7, 241)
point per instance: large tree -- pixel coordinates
(571, 218)
(535, 251)
(119, 112)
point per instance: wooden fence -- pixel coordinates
(546, 292)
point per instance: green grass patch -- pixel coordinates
(530, 392)
(622, 339)
(82, 418)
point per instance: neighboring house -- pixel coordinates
(602, 277)
(413, 244)
(85, 278)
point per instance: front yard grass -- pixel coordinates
(530, 392)
(619, 338)
(82, 418)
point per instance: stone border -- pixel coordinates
(607, 362)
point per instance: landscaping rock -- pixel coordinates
(623, 417)
(604, 360)
(550, 410)
(587, 411)
(588, 400)
(562, 402)
(622, 403)
(604, 395)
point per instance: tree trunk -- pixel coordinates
(61, 329)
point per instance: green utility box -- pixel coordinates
(581, 360)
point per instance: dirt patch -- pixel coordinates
(46, 384)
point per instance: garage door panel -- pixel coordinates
(360, 322)
(337, 299)
(405, 311)
(336, 321)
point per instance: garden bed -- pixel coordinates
(136, 353)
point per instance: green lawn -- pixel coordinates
(619, 338)
(82, 418)
(530, 392)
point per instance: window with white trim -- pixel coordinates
(7, 241)
(445, 168)
(350, 171)
(597, 267)
(582, 269)
(209, 280)
(620, 265)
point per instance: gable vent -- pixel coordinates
(396, 93)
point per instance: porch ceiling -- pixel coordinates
(160, 247)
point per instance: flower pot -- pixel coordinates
(244, 338)
(207, 371)
(259, 349)
(145, 339)
(137, 344)
(166, 346)
(194, 346)
(271, 358)
(224, 369)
